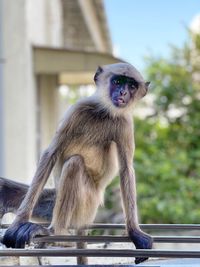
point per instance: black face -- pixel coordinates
(122, 90)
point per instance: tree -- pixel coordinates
(167, 158)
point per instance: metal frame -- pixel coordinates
(67, 252)
(100, 253)
(115, 239)
(170, 227)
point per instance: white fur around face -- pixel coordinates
(103, 87)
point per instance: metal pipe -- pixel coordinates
(116, 239)
(148, 226)
(143, 226)
(101, 253)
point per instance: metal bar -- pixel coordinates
(170, 226)
(176, 239)
(6, 225)
(148, 226)
(143, 226)
(101, 253)
(114, 239)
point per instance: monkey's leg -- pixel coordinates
(76, 200)
(72, 198)
(67, 194)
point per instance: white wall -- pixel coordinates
(19, 93)
(44, 21)
(26, 22)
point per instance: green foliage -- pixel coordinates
(167, 156)
(196, 40)
(167, 174)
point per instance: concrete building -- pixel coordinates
(43, 44)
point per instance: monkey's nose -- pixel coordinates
(123, 92)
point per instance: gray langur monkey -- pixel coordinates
(92, 144)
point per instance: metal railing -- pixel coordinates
(66, 252)
(142, 226)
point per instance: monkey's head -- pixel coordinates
(120, 85)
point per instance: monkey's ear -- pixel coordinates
(147, 85)
(98, 72)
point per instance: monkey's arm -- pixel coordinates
(128, 191)
(21, 231)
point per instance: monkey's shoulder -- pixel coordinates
(94, 111)
(91, 110)
(90, 123)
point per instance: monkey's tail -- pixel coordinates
(12, 193)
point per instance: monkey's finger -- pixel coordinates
(140, 239)
(9, 238)
(23, 235)
(27, 232)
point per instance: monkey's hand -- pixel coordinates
(20, 234)
(141, 241)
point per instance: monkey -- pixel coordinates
(93, 143)
(12, 193)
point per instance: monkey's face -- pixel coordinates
(122, 90)
(119, 86)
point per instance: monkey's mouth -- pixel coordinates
(119, 102)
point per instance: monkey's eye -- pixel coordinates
(117, 81)
(132, 85)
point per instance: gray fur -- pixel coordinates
(93, 143)
(12, 193)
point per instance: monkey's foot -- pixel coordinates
(141, 241)
(21, 234)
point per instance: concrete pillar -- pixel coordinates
(19, 94)
(1, 93)
(48, 109)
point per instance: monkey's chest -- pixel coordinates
(97, 159)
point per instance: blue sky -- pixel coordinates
(142, 27)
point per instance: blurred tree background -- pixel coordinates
(167, 156)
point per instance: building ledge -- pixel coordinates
(71, 66)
